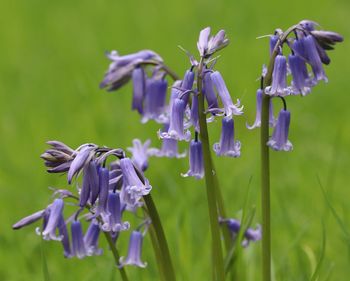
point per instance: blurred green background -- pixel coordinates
(51, 62)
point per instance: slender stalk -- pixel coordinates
(265, 163)
(115, 255)
(158, 254)
(218, 263)
(168, 269)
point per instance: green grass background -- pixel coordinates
(51, 62)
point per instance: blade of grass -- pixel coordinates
(316, 273)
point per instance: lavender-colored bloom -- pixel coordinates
(257, 122)
(227, 145)
(194, 113)
(208, 91)
(133, 188)
(79, 161)
(202, 43)
(78, 245)
(301, 82)
(279, 78)
(91, 239)
(139, 87)
(176, 127)
(62, 229)
(229, 108)
(134, 251)
(90, 186)
(196, 160)
(55, 213)
(273, 42)
(313, 58)
(140, 153)
(121, 68)
(279, 140)
(112, 221)
(250, 234)
(103, 176)
(187, 84)
(155, 98)
(29, 219)
(169, 147)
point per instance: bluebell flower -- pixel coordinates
(279, 78)
(208, 46)
(139, 89)
(187, 83)
(229, 108)
(169, 147)
(62, 230)
(209, 92)
(314, 59)
(176, 127)
(133, 188)
(29, 219)
(140, 153)
(279, 139)
(301, 80)
(112, 220)
(227, 145)
(54, 213)
(195, 160)
(121, 68)
(90, 185)
(154, 101)
(82, 157)
(257, 122)
(194, 118)
(103, 182)
(91, 239)
(134, 251)
(250, 235)
(78, 245)
(273, 41)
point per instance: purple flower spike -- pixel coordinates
(29, 219)
(155, 98)
(62, 229)
(313, 58)
(279, 140)
(134, 251)
(91, 239)
(176, 127)
(279, 78)
(196, 161)
(227, 145)
(79, 161)
(78, 245)
(257, 123)
(140, 153)
(113, 220)
(169, 147)
(208, 91)
(138, 81)
(133, 188)
(301, 82)
(55, 213)
(229, 108)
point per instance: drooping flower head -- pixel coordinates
(196, 160)
(134, 251)
(279, 139)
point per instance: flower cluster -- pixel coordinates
(250, 234)
(179, 113)
(107, 189)
(304, 63)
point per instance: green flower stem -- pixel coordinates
(115, 255)
(265, 164)
(218, 263)
(157, 253)
(163, 252)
